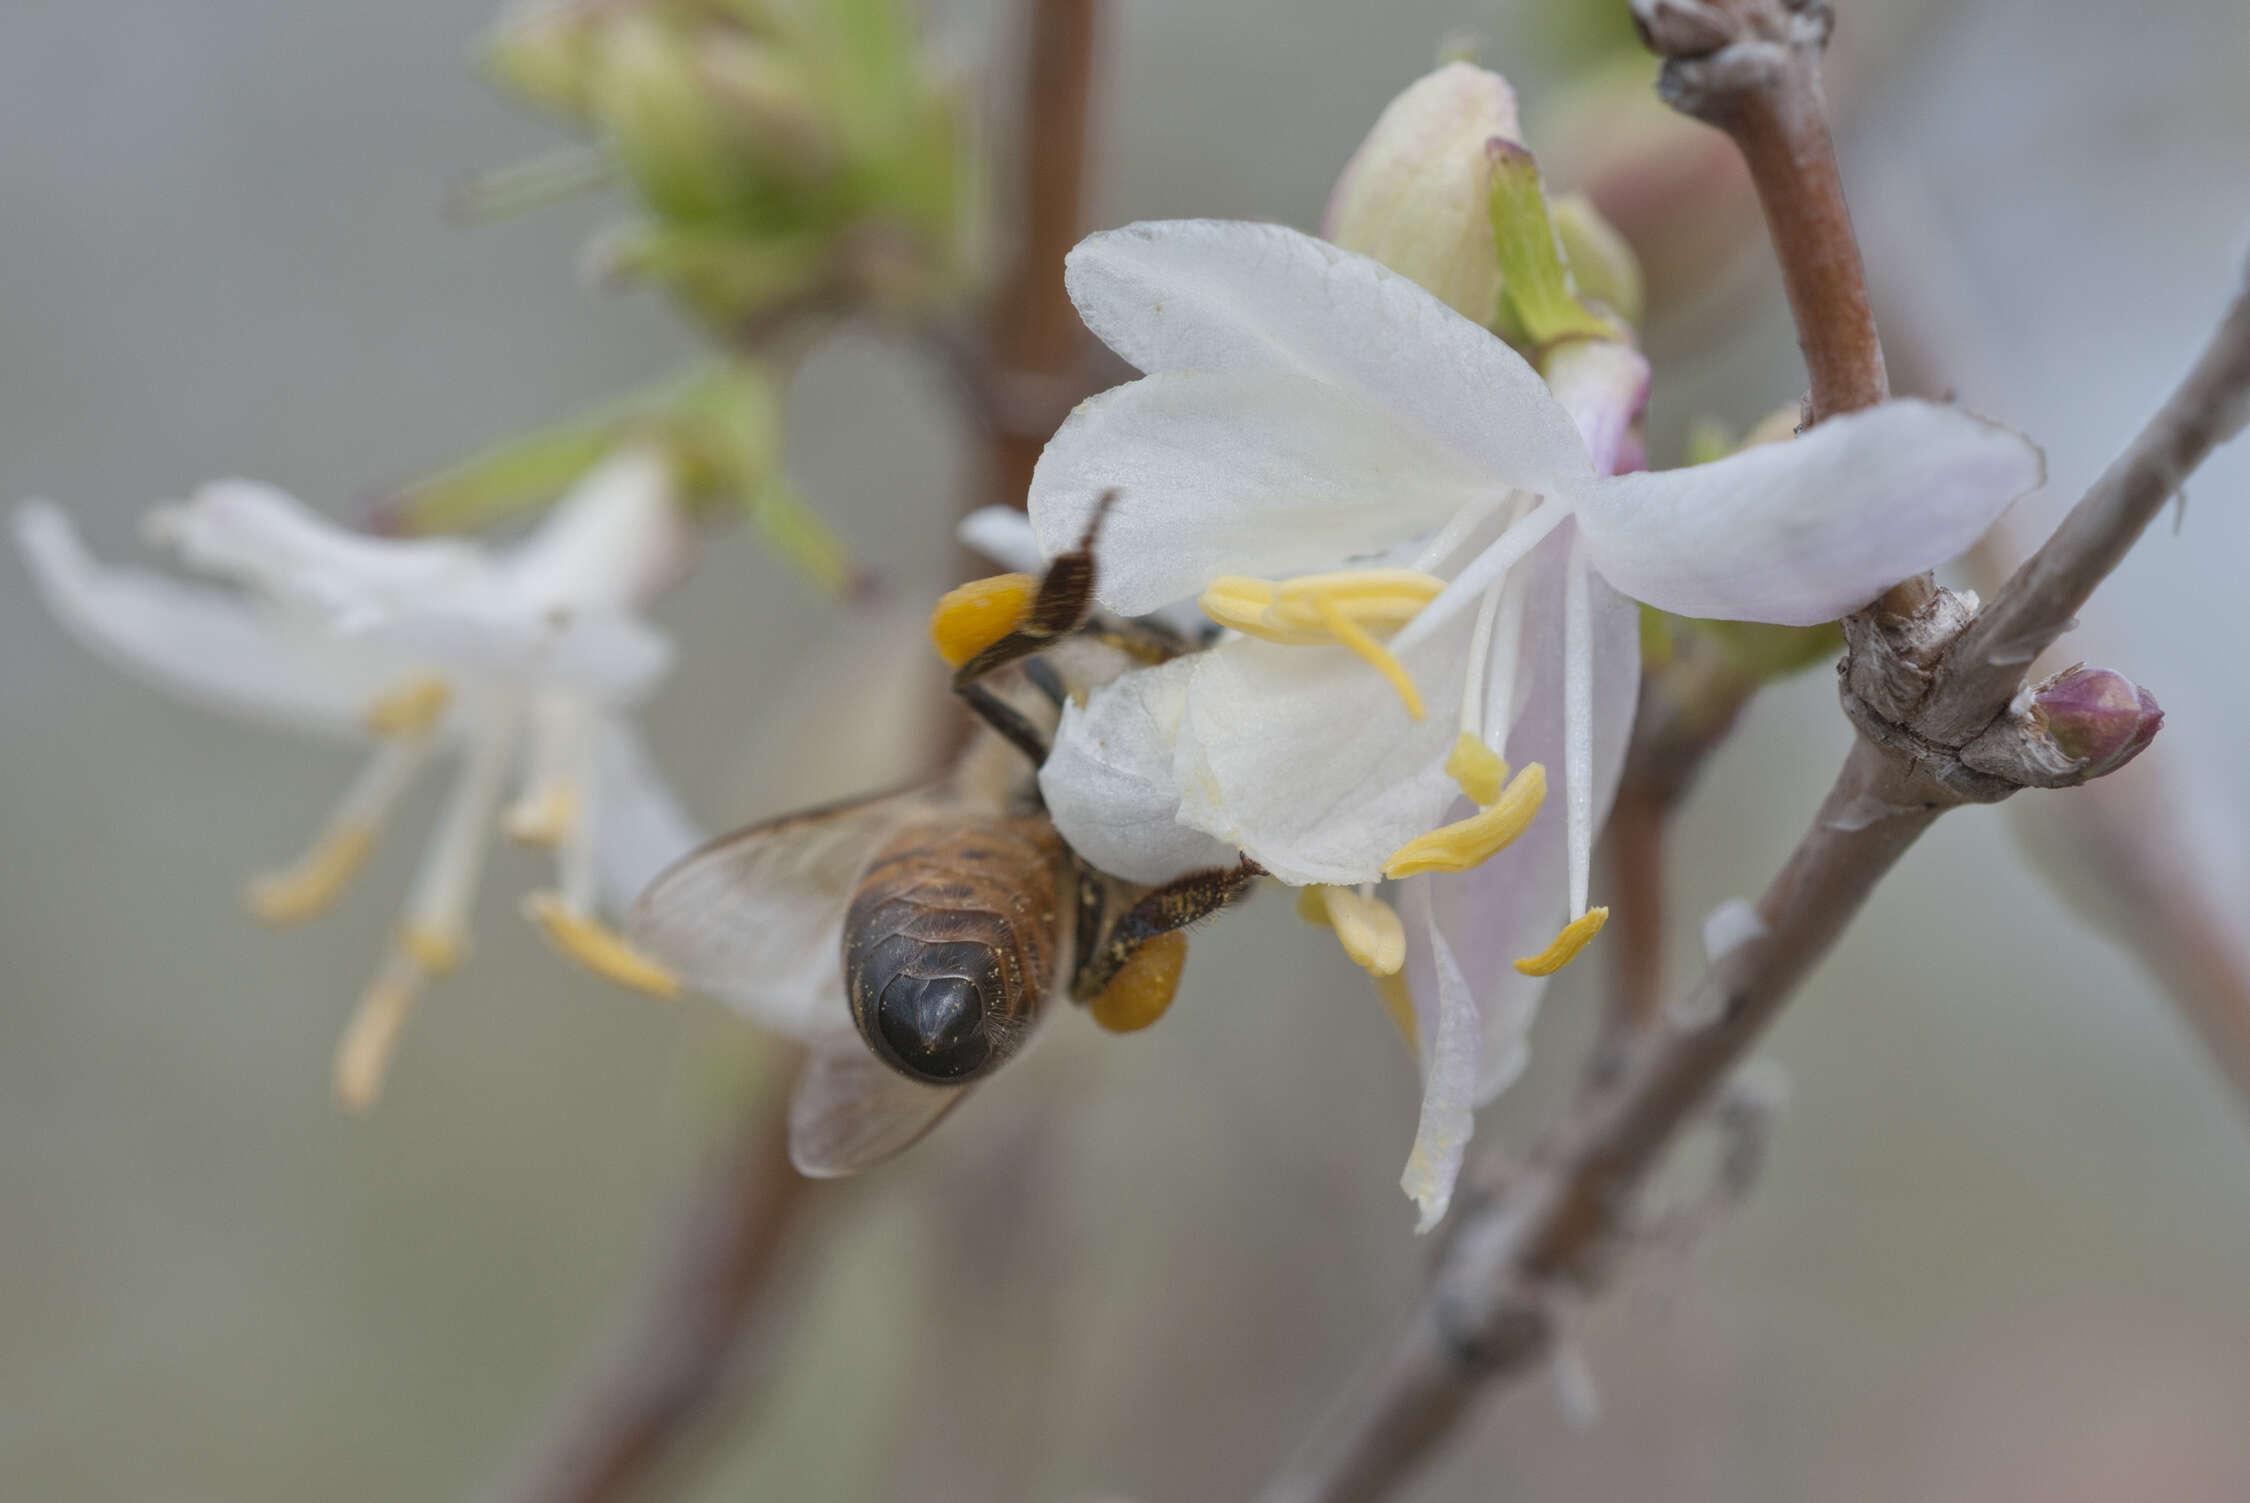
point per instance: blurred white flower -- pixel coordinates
(522, 660)
(1350, 475)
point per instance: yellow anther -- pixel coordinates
(1398, 1006)
(1372, 652)
(363, 1054)
(409, 708)
(1346, 608)
(1143, 988)
(971, 617)
(1574, 937)
(1481, 771)
(435, 952)
(543, 816)
(1471, 842)
(1368, 928)
(315, 880)
(597, 947)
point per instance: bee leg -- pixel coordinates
(1066, 595)
(1177, 904)
(1012, 724)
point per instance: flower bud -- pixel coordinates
(1416, 195)
(2102, 719)
(671, 134)
(543, 52)
(1600, 261)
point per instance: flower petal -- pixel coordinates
(1304, 758)
(1512, 904)
(1218, 295)
(1003, 535)
(1248, 472)
(1806, 531)
(1449, 1079)
(639, 826)
(260, 536)
(612, 656)
(202, 644)
(614, 542)
(1108, 782)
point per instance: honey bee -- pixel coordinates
(948, 916)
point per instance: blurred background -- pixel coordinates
(2001, 1252)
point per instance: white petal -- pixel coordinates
(1305, 759)
(1241, 473)
(1512, 904)
(1218, 295)
(613, 658)
(640, 827)
(1109, 785)
(1003, 535)
(1809, 530)
(264, 537)
(1448, 1084)
(614, 542)
(202, 644)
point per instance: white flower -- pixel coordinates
(528, 655)
(1429, 567)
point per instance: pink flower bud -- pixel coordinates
(2101, 718)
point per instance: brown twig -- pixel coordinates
(1035, 346)
(641, 1396)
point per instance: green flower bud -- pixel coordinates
(1416, 195)
(670, 132)
(543, 52)
(1600, 261)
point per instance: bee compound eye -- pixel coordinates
(934, 1026)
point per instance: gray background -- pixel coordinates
(2002, 1250)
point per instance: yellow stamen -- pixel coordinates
(1574, 937)
(1470, 842)
(1371, 652)
(543, 816)
(1345, 607)
(316, 879)
(435, 952)
(363, 1054)
(1143, 988)
(1398, 1005)
(597, 947)
(1481, 771)
(971, 617)
(409, 708)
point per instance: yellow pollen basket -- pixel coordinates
(969, 618)
(1575, 936)
(1143, 988)
(597, 947)
(310, 886)
(1345, 608)
(1471, 842)
(410, 708)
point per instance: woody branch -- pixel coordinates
(1930, 683)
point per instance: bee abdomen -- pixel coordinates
(949, 945)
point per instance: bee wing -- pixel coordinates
(756, 919)
(851, 1111)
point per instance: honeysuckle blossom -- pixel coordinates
(523, 661)
(1427, 566)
